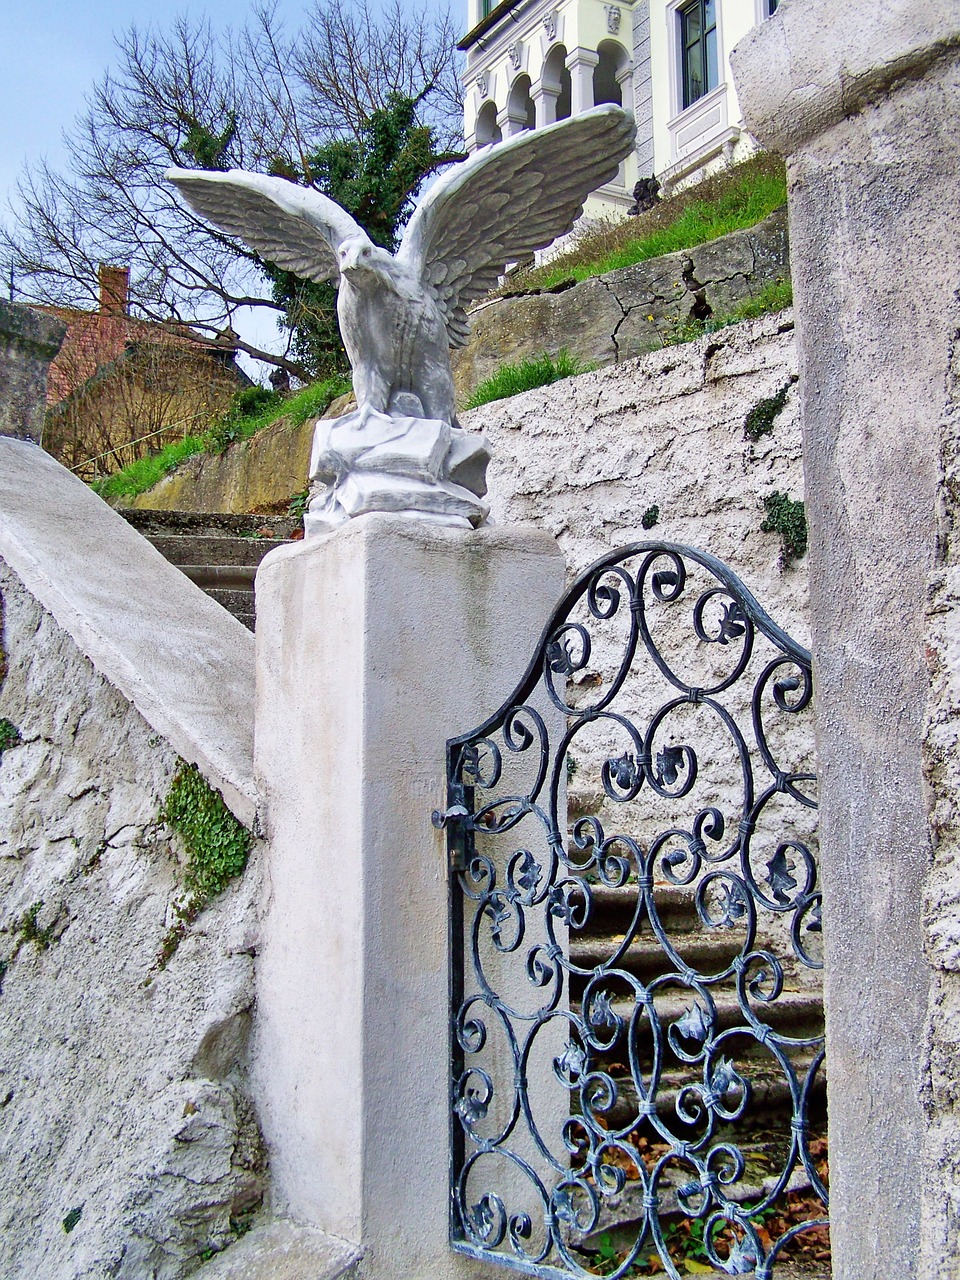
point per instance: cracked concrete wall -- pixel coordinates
(611, 318)
(123, 1106)
(28, 342)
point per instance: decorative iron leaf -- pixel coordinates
(742, 1260)
(733, 907)
(669, 763)
(569, 1067)
(499, 913)
(623, 770)
(731, 624)
(471, 1107)
(724, 1076)
(601, 1011)
(815, 924)
(694, 1025)
(780, 878)
(529, 873)
(470, 757)
(560, 904)
(559, 658)
(563, 1206)
(482, 1216)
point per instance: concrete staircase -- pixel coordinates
(763, 1133)
(797, 1013)
(220, 553)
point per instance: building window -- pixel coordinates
(487, 7)
(698, 49)
(771, 7)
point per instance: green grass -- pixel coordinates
(253, 409)
(729, 201)
(511, 379)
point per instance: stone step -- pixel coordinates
(237, 577)
(645, 958)
(213, 548)
(612, 910)
(208, 523)
(769, 1089)
(219, 552)
(234, 601)
(795, 1013)
(283, 1250)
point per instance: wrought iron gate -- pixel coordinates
(633, 991)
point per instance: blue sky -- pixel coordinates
(53, 51)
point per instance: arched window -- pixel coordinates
(556, 76)
(520, 108)
(487, 128)
(610, 72)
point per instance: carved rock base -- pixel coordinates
(370, 461)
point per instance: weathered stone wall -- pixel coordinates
(586, 458)
(121, 1086)
(611, 318)
(941, 1097)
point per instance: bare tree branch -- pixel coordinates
(186, 95)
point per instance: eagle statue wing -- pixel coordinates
(294, 227)
(506, 201)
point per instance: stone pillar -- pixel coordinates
(28, 342)
(863, 100)
(642, 88)
(580, 64)
(511, 120)
(374, 645)
(544, 102)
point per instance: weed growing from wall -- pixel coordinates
(759, 421)
(9, 735)
(650, 517)
(787, 517)
(525, 375)
(216, 843)
(217, 846)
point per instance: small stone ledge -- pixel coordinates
(816, 62)
(284, 1250)
(176, 655)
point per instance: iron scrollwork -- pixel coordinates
(629, 983)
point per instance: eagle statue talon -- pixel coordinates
(402, 449)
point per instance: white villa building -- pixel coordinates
(531, 62)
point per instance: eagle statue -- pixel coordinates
(402, 449)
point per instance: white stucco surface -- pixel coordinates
(863, 99)
(375, 644)
(180, 658)
(122, 1096)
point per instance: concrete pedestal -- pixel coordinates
(863, 100)
(374, 645)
